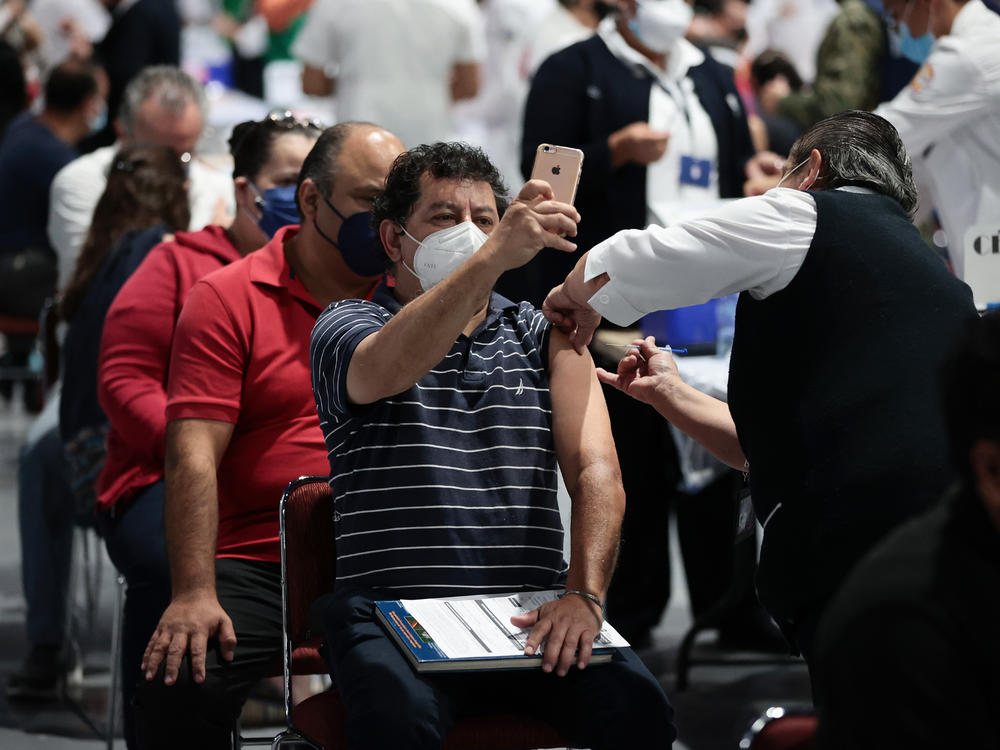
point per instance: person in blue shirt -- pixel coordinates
(33, 149)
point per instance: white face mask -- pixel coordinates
(660, 23)
(441, 252)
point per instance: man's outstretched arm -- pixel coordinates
(420, 335)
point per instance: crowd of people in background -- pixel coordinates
(831, 161)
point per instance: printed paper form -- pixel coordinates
(470, 627)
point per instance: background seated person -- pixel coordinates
(240, 421)
(909, 655)
(445, 408)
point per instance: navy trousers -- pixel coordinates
(615, 705)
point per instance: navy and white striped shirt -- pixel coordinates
(449, 487)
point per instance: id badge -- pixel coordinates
(696, 172)
(746, 519)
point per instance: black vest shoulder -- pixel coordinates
(833, 388)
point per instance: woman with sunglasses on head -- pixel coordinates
(135, 356)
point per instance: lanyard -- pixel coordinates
(676, 94)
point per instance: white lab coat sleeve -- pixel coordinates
(755, 244)
(947, 92)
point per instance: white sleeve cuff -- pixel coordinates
(595, 265)
(613, 306)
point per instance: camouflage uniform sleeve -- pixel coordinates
(847, 74)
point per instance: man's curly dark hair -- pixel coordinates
(441, 160)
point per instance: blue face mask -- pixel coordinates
(356, 241)
(277, 208)
(99, 120)
(914, 49)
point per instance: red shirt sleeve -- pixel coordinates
(208, 361)
(135, 352)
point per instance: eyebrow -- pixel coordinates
(451, 206)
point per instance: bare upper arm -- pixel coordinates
(197, 441)
(464, 80)
(581, 428)
(315, 81)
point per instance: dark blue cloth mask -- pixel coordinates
(277, 209)
(356, 241)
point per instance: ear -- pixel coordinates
(984, 457)
(812, 170)
(120, 131)
(245, 197)
(392, 239)
(308, 199)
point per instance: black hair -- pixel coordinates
(770, 64)
(443, 161)
(251, 141)
(862, 149)
(69, 85)
(320, 164)
(969, 389)
(602, 8)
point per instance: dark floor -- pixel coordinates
(714, 712)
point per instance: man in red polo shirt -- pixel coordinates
(241, 423)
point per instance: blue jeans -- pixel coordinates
(604, 707)
(134, 536)
(46, 516)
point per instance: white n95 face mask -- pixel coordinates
(441, 252)
(660, 23)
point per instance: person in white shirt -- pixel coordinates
(400, 63)
(949, 115)
(843, 319)
(793, 27)
(567, 23)
(162, 105)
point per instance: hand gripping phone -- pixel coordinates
(560, 166)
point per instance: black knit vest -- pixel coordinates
(833, 388)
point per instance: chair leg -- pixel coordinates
(114, 695)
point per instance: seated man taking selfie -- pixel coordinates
(445, 408)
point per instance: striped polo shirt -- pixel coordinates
(449, 487)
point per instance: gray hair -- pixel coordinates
(172, 88)
(862, 149)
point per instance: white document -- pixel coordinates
(468, 627)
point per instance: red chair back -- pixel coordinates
(308, 557)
